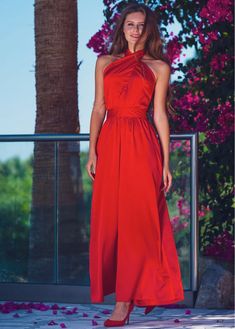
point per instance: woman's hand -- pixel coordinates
(91, 166)
(167, 179)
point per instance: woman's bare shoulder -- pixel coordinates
(161, 66)
(105, 60)
(158, 65)
(102, 59)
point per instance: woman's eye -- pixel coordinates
(139, 26)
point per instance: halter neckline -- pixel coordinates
(139, 52)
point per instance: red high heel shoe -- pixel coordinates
(148, 309)
(118, 323)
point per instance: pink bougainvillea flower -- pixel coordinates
(222, 247)
(100, 39)
(175, 145)
(187, 312)
(203, 211)
(75, 310)
(184, 207)
(62, 325)
(43, 307)
(217, 11)
(69, 312)
(178, 225)
(94, 323)
(84, 314)
(106, 311)
(174, 48)
(219, 61)
(52, 323)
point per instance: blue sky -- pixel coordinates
(17, 58)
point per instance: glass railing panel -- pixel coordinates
(45, 200)
(27, 208)
(74, 197)
(179, 200)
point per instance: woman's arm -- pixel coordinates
(97, 114)
(160, 118)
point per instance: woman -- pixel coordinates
(132, 248)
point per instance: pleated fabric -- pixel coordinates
(132, 250)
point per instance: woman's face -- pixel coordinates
(132, 28)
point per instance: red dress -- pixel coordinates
(132, 250)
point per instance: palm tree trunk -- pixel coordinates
(57, 112)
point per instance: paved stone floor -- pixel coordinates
(34, 315)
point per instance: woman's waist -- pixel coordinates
(127, 112)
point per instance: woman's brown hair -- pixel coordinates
(153, 44)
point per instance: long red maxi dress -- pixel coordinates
(132, 250)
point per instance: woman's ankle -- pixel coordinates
(122, 303)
